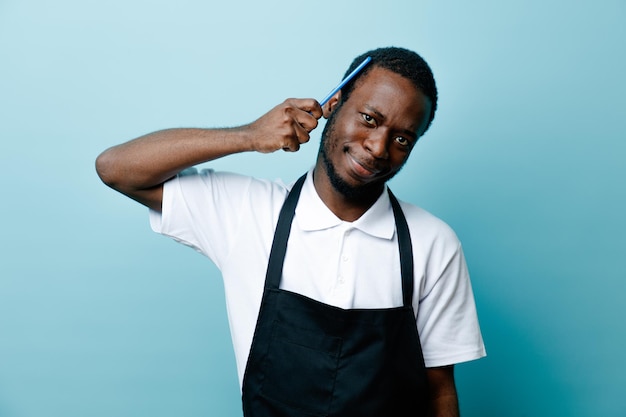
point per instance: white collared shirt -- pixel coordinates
(231, 219)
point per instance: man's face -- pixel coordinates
(369, 137)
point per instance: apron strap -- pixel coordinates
(281, 235)
(406, 250)
(283, 229)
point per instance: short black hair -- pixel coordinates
(403, 62)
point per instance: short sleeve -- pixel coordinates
(213, 211)
(200, 210)
(447, 318)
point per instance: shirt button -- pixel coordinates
(345, 258)
(340, 279)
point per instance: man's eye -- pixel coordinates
(368, 119)
(403, 141)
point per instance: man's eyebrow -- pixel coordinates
(373, 110)
(381, 116)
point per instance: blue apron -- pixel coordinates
(310, 359)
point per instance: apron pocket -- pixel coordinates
(301, 368)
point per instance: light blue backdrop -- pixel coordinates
(100, 317)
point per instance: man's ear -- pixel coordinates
(331, 105)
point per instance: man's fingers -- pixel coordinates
(301, 133)
(307, 105)
(307, 121)
(287, 125)
(305, 112)
(292, 147)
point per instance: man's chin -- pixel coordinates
(352, 187)
(356, 190)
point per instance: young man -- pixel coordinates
(341, 300)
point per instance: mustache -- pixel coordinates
(367, 161)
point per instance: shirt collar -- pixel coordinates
(312, 214)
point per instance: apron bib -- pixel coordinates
(310, 359)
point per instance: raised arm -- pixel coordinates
(139, 168)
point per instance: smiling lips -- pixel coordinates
(362, 170)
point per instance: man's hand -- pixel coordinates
(286, 126)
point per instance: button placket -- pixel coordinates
(345, 268)
(342, 289)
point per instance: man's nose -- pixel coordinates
(377, 144)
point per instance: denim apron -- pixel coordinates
(310, 359)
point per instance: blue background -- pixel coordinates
(525, 160)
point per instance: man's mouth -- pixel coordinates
(362, 169)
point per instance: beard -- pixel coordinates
(328, 145)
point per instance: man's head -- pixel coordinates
(403, 62)
(375, 120)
